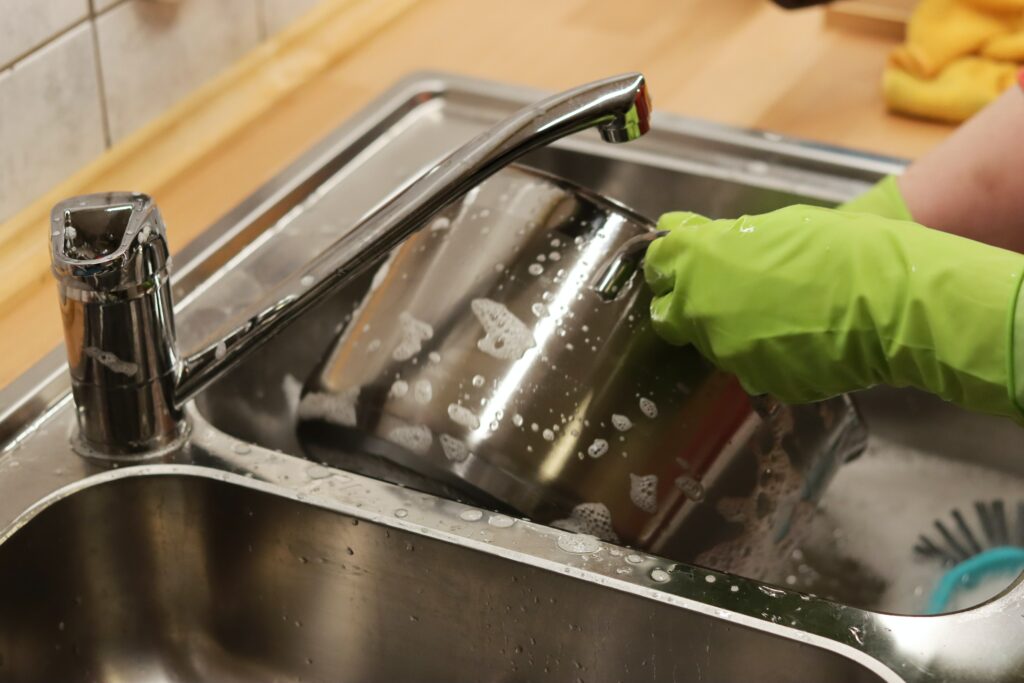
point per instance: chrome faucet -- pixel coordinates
(110, 256)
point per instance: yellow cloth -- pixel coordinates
(959, 56)
(959, 91)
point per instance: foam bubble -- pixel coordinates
(454, 449)
(548, 435)
(463, 416)
(440, 223)
(506, 337)
(416, 438)
(337, 408)
(598, 448)
(423, 391)
(593, 519)
(622, 423)
(478, 380)
(643, 491)
(648, 408)
(414, 332)
(399, 389)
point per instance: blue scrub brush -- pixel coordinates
(993, 548)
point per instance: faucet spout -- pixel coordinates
(99, 256)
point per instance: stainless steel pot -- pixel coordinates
(482, 357)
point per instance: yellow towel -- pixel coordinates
(959, 91)
(959, 56)
(943, 30)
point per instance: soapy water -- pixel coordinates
(416, 438)
(454, 449)
(337, 408)
(471, 515)
(399, 389)
(643, 491)
(506, 337)
(593, 519)
(648, 408)
(463, 416)
(414, 332)
(598, 448)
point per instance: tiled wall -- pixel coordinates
(78, 75)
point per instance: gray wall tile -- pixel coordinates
(25, 24)
(280, 13)
(153, 54)
(50, 120)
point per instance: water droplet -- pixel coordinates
(478, 380)
(307, 280)
(471, 515)
(633, 558)
(241, 448)
(401, 512)
(660, 575)
(318, 472)
(501, 521)
(578, 543)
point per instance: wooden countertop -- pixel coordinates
(740, 62)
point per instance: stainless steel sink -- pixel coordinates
(186, 578)
(236, 559)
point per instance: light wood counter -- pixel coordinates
(740, 62)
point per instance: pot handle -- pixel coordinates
(617, 271)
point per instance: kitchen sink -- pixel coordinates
(185, 578)
(236, 558)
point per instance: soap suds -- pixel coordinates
(506, 336)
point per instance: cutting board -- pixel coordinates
(884, 18)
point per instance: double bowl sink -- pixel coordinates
(237, 560)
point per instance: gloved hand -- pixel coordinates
(883, 199)
(806, 303)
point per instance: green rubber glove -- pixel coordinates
(883, 199)
(806, 303)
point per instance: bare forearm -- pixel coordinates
(973, 183)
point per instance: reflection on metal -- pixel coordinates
(590, 422)
(148, 406)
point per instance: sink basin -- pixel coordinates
(185, 578)
(236, 559)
